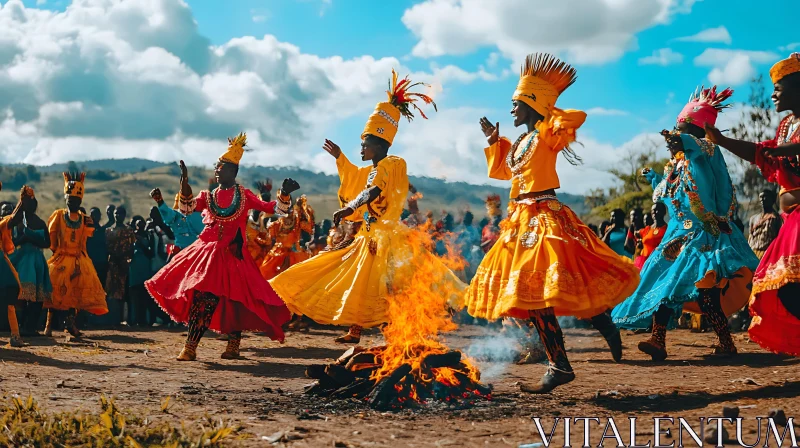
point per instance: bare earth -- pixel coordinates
(264, 393)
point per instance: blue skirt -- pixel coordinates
(688, 259)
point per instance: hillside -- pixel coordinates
(129, 182)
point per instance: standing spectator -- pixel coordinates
(764, 226)
(636, 217)
(96, 244)
(616, 233)
(140, 270)
(119, 241)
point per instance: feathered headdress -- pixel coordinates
(235, 149)
(704, 105)
(264, 188)
(785, 67)
(73, 184)
(543, 77)
(384, 120)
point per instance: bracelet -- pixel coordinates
(359, 201)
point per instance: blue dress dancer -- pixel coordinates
(704, 264)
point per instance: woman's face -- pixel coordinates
(657, 212)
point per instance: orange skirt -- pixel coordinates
(546, 257)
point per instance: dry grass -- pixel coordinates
(23, 424)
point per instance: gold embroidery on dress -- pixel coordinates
(785, 270)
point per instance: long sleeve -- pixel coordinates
(496, 159)
(346, 169)
(5, 235)
(253, 202)
(654, 178)
(52, 228)
(170, 216)
(201, 201)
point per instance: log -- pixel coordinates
(352, 351)
(340, 375)
(382, 395)
(449, 359)
(359, 389)
(316, 371)
(361, 358)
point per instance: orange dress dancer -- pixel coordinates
(10, 287)
(75, 283)
(285, 233)
(546, 262)
(258, 243)
(352, 285)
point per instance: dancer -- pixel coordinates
(775, 303)
(258, 243)
(285, 232)
(31, 238)
(703, 264)
(349, 285)
(10, 287)
(214, 283)
(75, 283)
(546, 262)
(186, 228)
(491, 231)
(648, 238)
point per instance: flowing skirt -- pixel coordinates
(75, 284)
(350, 286)
(247, 302)
(546, 257)
(9, 282)
(276, 264)
(34, 274)
(773, 327)
(688, 259)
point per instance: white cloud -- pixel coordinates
(663, 56)
(732, 67)
(601, 111)
(719, 34)
(594, 31)
(790, 47)
(259, 18)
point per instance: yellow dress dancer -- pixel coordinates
(349, 285)
(546, 262)
(75, 283)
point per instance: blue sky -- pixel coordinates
(637, 60)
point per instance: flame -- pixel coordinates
(419, 313)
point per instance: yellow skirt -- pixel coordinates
(75, 284)
(546, 257)
(349, 286)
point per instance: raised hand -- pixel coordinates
(645, 171)
(332, 148)
(289, 186)
(156, 195)
(184, 173)
(341, 214)
(491, 131)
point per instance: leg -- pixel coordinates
(16, 339)
(232, 350)
(604, 324)
(353, 336)
(789, 296)
(203, 306)
(48, 327)
(710, 305)
(656, 346)
(560, 371)
(70, 325)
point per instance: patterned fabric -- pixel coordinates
(702, 248)
(29, 261)
(764, 228)
(552, 337)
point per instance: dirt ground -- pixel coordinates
(264, 393)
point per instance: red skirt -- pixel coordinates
(773, 327)
(247, 301)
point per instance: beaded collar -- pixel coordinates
(521, 160)
(74, 225)
(231, 212)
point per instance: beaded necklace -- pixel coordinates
(514, 161)
(787, 134)
(231, 212)
(74, 225)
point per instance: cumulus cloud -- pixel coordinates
(663, 57)
(733, 67)
(113, 79)
(791, 47)
(594, 31)
(719, 34)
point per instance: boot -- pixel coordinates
(189, 352)
(604, 324)
(352, 337)
(656, 345)
(551, 379)
(232, 350)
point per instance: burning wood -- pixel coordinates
(439, 376)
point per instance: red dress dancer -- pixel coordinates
(214, 283)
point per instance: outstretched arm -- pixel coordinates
(742, 149)
(365, 197)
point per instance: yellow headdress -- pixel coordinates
(384, 120)
(785, 67)
(73, 184)
(542, 79)
(235, 149)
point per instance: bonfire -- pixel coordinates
(414, 366)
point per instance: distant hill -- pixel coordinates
(129, 181)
